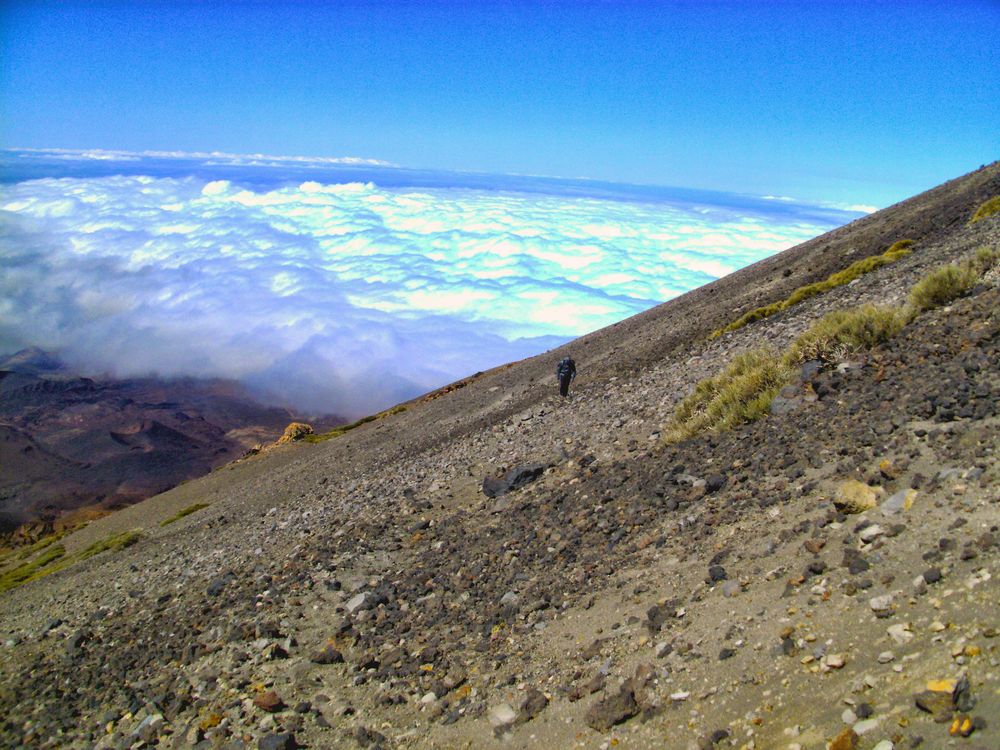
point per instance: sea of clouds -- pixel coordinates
(341, 295)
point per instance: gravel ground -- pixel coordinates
(364, 592)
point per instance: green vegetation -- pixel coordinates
(857, 269)
(34, 569)
(948, 283)
(987, 209)
(841, 333)
(338, 431)
(182, 513)
(743, 391)
(115, 543)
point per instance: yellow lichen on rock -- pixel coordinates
(294, 432)
(853, 496)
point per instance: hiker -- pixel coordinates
(566, 372)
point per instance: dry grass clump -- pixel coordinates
(34, 569)
(987, 209)
(948, 283)
(839, 334)
(183, 512)
(857, 269)
(740, 394)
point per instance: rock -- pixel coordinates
(865, 726)
(937, 704)
(278, 741)
(269, 702)
(900, 633)
(814, 545)
(846, 740)
(359, 602)
(731, 588)
(886, 657)
(501, 717)
(919, 585)
(530, 705)
(295, 432)
(714, 483)
(899, 502)
(932, 575)
(716, 573)
(870, 533)
(884, 745)
(612, 710)
(834, 661)
(853, 496)
(328, 655)
(512, 480)
(882, 606)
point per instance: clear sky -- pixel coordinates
(857, 102)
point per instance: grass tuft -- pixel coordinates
(740, 394)
(114, 543)
(182, 513)
(948, 283)
(987, 209)
(857, 269)
(842, 333)
(37, 568)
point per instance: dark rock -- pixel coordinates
(278, 741)
(328, 655)
(612, 710)
(714, 483)
(716, 573)
(932, 575)
(512, 480)
(269, 702)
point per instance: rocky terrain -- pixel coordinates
(825, 577)
(74, 447)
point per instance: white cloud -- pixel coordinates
(342, 297)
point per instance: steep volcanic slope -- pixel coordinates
(70, 442)
(706, 592)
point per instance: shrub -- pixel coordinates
(740, 394)
(948, 283)
(844, 332)
(183, 512)
(857, 269)
(987, 209)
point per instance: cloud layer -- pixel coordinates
(342, 297)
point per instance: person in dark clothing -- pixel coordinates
(566, 372)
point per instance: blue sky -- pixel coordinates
(854, 102)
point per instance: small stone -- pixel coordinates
(834, 661)
(358, 602)
(937, 704)
(884, 745)
(932, 575)
(716, 573)
(849, 717)
(881, 605)
(269, 702)
(278, 741)
(731, 588)
(502, 716)
(865, 726)
(846, 740)
(900, 633)
(870, 533)
(899, 502)
(919, 585)
(531, 705)
(612, 710)
(328, 655)
(886, 657)
(853, 496)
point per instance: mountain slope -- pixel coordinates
(704, 592)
